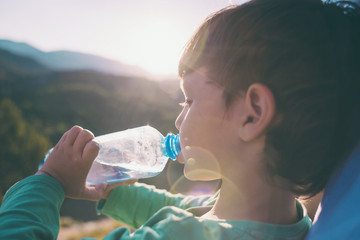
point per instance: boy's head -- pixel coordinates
(308, 54)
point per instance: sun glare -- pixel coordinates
(157, 47)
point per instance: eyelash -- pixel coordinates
(187, 102)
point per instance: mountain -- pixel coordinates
(20, 65)
(103, 102)
(68, 60)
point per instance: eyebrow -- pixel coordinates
(182, 84)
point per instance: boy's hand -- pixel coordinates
(70, 162)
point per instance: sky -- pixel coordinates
(147, 33)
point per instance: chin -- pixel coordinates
(201, 175)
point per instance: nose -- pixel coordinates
(179, 120)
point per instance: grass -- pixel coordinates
(71, 229)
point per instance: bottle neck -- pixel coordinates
(172, 146)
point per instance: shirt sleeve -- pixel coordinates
(135, 204)
(30, 209)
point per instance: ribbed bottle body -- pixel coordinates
(130, 154)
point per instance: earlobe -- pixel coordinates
(259, 111)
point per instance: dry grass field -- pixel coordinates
(74, 230)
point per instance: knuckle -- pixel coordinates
(76, 128)
(88, 133)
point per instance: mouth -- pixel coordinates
(180, 158)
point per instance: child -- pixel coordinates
(271, 108)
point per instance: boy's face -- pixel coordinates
(208, 132)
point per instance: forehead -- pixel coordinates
(198, 84)
(195, 78)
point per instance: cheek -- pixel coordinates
(200, 130)
(188, 127)
(200, 164)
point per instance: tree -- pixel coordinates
(21, 147)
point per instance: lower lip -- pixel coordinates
(180, 158)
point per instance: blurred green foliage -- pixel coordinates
(20, 146)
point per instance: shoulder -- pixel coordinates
(35, 186)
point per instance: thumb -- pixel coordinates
(93, 193)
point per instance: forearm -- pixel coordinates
(135, 204)
(30, 209)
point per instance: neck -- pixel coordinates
(254, 201)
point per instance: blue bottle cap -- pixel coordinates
(172, 146)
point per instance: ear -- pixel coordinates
(259, 111)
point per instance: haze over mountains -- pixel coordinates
(69, 60)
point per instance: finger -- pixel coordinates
(90, 152)
(72, 135)
(63, 137)
(92, 193)
(101, 188)
(82, 139)
(115, 184)
(130, 182)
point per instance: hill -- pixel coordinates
(68, 60)
(102, 102)
(19, 65)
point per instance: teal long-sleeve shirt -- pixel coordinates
(30, 210)
(143, 201)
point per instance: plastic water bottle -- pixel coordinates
(131, 154)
